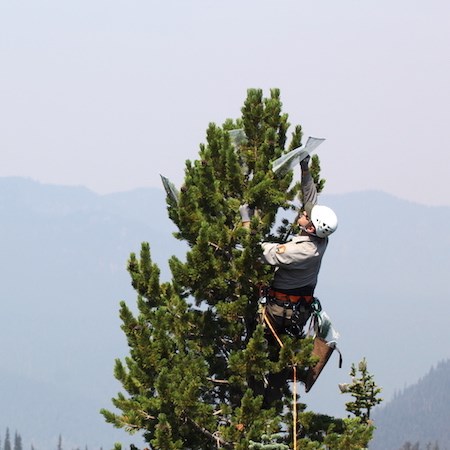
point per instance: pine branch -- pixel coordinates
(215, 380)
(212, 436)
(145, 415)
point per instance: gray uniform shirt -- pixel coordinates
(297, 261)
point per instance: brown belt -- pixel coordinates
(288, 298)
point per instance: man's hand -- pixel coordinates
(304, 163)
(246, 213)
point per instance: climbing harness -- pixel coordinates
(320, 329)
(288, 313)
(282, 298)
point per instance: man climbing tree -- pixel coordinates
(298, 261)
(199, 360)
(290, 300)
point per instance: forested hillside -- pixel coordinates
(62, 265)
(419, 414)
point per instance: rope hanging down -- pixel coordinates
(294, 394)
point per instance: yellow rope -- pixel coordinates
(294, 405)
(272, 329)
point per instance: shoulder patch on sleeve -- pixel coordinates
(281, 249)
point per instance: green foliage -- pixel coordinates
(269, 442)
(364, 391)
(198, 359)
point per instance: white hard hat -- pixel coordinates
(324, 220)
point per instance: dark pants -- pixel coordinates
(285, 319)
(288, 319)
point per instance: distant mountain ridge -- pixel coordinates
(420, 413)
(63, 267)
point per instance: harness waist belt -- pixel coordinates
(288, 298)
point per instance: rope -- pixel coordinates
(294, 409)
(294, 394)
(272, 329)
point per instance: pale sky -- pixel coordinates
(108, 94)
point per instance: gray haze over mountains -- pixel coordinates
(63, 272)
(419, 413)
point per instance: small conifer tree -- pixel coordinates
(7, 444)
(17, 441)
(364, 391)
(198, 358)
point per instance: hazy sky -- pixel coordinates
(108, 94)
